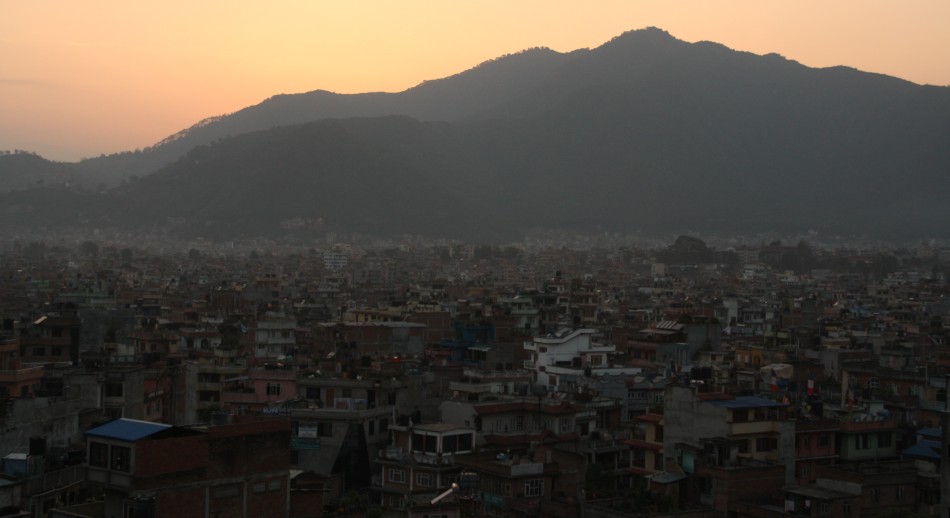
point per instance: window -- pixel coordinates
(862, 441)
(57, 351)
(884, 440)
(325, 429)
(875, 495)
(384, 425)
(766, 444)
(567, 424)
(397, 502)
(273, 389)
(740, 416)
(534, 487)
(372, 428)
(899, 495)
(846, 507)
(39, 351)
(120, 458)
(113, 390)
(743, 446)
(823, 440)
(397, 475)
(423, 480)
(465, 442)
(226, 492)
(98, 455)
(449, 443)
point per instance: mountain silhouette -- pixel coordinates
(644, 133)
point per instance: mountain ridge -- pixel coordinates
(645, 132)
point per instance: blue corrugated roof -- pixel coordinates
(746, 402)
(127, 429)
(924, 449)
(933, 431)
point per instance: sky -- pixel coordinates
(80, 79)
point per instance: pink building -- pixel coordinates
(259, 389)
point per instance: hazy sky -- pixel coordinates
(78, 79)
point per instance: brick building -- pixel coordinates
(153, 469)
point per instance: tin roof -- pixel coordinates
(127, 429)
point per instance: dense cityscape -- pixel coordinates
(596, 377)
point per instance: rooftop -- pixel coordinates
(127, 429)
(747, 402)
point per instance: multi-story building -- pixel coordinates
(52, 338)
(867, 438)
(420, 460)
(513, 485)
(758, 427)
(17, 380)
(521, 422)
(339, 425)
(646, 445)
(557, 360)
(815, 446)
(273, 336)
(258, 389)
(155, 469)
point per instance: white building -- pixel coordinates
(334, 260)
(557, 360)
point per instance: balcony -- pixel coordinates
(756, 427)
(109, 477)
(867, 426)
(21, 375)
(113, 401)
(239, 397)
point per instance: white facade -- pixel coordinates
(568, 354)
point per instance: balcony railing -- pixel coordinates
(20, 375)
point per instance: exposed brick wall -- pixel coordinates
(162, 456)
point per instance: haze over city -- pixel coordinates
(425, 259)
(82, 79)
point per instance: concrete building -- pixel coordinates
(420, 460)
(152, 469)
(559, 359)
(759, 427)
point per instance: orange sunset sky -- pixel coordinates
(78, 79)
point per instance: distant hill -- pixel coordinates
(646, 132)
(20, 170)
